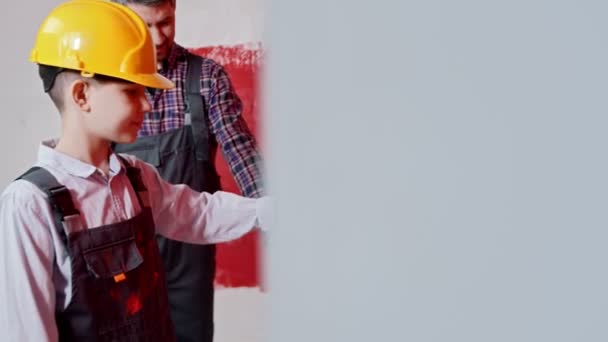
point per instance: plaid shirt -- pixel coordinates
(224, 117)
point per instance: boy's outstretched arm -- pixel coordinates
(183, 214)
(27, 291)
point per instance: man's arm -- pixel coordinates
(236, 141)
(27, 292)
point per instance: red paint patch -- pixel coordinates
(238, 261)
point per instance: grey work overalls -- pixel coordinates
(183, 156)
(118, 281)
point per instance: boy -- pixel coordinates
(78, 257)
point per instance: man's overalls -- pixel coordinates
(183, 156)
(118, 281)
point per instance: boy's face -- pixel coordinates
(116, 110)
(161, 23)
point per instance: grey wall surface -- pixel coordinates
(440, 170)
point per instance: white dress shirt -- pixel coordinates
(35, 273)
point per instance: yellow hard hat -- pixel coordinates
(99, 37)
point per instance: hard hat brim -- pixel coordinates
(157, 81)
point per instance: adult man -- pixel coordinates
(180, 136)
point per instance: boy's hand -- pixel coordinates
(265, 213)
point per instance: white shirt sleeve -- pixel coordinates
(183, 214)
(27, 290)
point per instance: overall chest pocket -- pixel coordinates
(113, 260)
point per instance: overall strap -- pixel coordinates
(58, 195)
(134, 175)
(195, 106)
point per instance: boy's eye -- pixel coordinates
(131, 91)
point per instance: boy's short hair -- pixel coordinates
(49, 75)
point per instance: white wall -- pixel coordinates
(28, 115)
(440, 169)
(219, 22)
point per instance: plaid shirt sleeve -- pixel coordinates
(236, 141)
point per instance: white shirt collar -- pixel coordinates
(48, 155)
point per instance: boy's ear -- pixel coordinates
(79, 95)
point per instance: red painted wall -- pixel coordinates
(238, 261)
